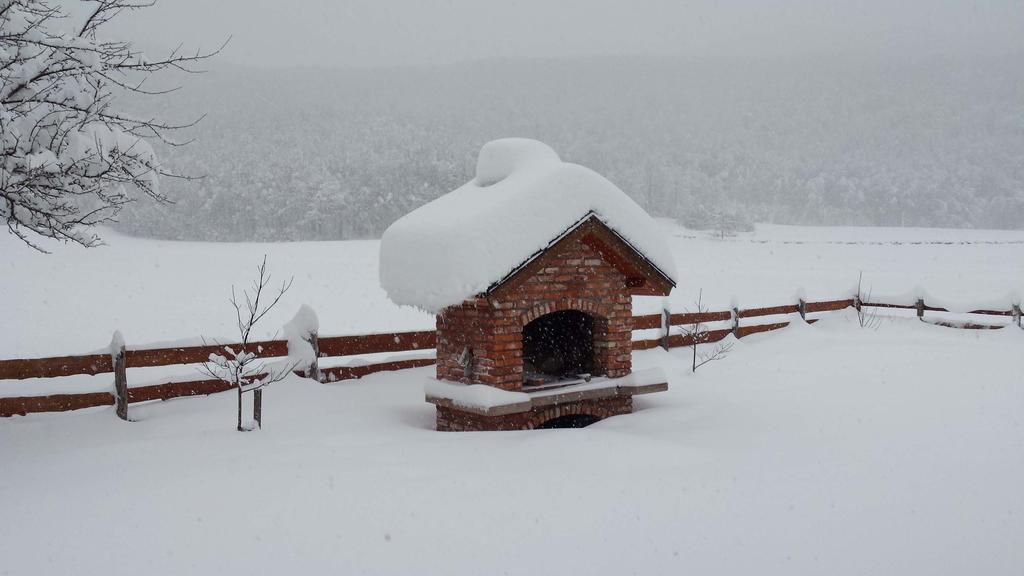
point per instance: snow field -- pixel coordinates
(824, 448)
(160, 292)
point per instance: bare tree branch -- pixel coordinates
(864, 318)
(698, 334)
(68, 157)
(243, 368)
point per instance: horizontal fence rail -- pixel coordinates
(119, 360)
(688, 319)
(93, 364)
(197, 354)
(55, 367)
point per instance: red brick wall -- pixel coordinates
(574, 276)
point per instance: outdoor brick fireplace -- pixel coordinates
(563, 317)
(546, 342)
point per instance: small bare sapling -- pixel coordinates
(864, 318)
(697, 334)
(240, 364)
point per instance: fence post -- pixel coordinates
(666, 326)
(257, 407)
(736, 321)
(313, 370)
(240, 428)
(801, 307)
(920, 308)
(1016, 315)
(117, 358)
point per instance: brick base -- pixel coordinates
(455, 420)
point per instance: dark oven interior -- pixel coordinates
(558, 346)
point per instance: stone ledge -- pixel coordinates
(502, 410)
(596, 389)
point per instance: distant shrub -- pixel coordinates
(723, 220)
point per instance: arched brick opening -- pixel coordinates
(597, 348)
(559, 345)
(591, 307)
(569, 421)
(605, 359)
(588, 411)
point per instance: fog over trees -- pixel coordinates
(319, 154)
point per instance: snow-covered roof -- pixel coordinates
(522, 198)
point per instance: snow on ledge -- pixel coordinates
(475, 396)
(523, 197)
(491, 401)
(643, 378)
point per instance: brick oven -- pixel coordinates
(547, 341)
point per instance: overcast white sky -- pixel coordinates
(400, 32)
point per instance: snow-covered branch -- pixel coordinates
(698, 334)
(69, 158)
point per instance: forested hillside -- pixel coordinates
(311, 154)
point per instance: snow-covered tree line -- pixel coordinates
(341, 154)
(70, 155)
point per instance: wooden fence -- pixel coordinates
(120, 359)
(666, 320)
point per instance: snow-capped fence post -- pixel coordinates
(1016, 315)
(314, 368)
(309, 364)
(801, 307)
(303, 344)
(117, 359)
(736, 321)
(666, 327)
(920, 308)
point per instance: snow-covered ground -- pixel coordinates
(72, 301)
(816, 449)
(825, 448)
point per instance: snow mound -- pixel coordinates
(298, 331)
(521, 198)
(474, 396)
(499, 159)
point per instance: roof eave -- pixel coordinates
(659, 274)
